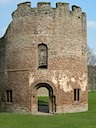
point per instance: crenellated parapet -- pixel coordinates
(61, 5)
(44, 8)
(76, 9)
(44, 5)
(23, 9)
(24, 5)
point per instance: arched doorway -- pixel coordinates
(43, 99)
(49, 106)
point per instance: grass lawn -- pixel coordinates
(73, 120)
(43, 100)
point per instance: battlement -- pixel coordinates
(24, 9)
(76, 9)
(62, 4)
(44, 5)
(24, 5)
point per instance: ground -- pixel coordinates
(73, 120)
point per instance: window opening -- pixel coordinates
(43, 56)
(76, 94)
(43, 100)
(9, 95)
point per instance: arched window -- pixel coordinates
(42, 56)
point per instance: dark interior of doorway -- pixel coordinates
(43, 102)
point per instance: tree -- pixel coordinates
(91, 57)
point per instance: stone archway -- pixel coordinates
(43, 99)
(52, 97)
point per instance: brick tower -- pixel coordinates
(44, 47)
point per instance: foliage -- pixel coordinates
(73, 120)
(43, 100)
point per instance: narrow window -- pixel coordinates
(76, 94)
(43, 56)
(9, 95)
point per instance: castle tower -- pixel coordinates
(44, 47)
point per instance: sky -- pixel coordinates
(7, 7)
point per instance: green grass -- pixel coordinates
(73, 120)
(43, 100)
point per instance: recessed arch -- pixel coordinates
(47, 82)
(52, 95)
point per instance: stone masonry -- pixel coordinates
(91, 78)
(44, 47)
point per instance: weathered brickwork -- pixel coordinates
(63, 32)
(91, 78)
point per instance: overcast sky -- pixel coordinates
(88, 6)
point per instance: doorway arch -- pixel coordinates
(43, 99)
(52, 96)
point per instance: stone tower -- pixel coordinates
(44, 47)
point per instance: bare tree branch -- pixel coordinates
(91, 57)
